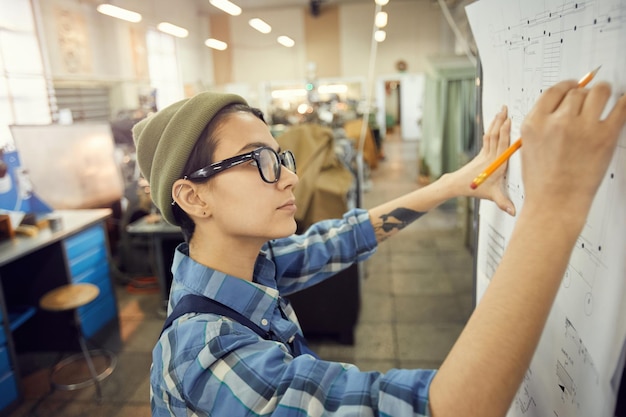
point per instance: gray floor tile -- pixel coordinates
(433, 309)
(138, 306)
(417, 262)
(426, 342)
(376, 308)
(375, 341)
(414, 283)
(140, 335)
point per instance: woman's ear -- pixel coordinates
(186, 194)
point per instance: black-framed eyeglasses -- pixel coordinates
(268, 161)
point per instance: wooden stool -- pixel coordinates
(71, 297)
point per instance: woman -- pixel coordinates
(215, 170)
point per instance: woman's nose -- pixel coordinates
(288, 178)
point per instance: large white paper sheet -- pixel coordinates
(526, 46)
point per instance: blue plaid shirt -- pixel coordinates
(208, 365)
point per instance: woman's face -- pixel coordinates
(242, 204)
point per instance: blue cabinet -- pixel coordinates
(8, 382)
(8, 390)
(87, 260)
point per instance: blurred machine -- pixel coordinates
(327, 188)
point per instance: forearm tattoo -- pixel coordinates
(397, 219)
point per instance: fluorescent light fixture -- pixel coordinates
(288, 93)
(286, 41)
(381, 19)
(118, 12)
(260, 25)
(381, 2)
(380, 35)
(332, 89)
(226, 6)
(216, 44)
(173, 30)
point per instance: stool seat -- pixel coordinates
(69, 297)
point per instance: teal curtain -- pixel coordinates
(448, 122)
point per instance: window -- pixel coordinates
(23, 87)
(163, 68)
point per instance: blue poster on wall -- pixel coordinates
(16, 190)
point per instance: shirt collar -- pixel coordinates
(256, 300)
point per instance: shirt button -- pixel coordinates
(264, 322)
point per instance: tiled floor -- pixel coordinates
(416, 297)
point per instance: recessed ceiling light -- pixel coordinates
(118, 12)
(260, 25)
(286, 41)
(380, 35)
(216, 44)
(173, 30)
(226, 6)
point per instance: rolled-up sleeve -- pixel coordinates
(326, 248)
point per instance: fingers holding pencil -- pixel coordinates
(566, 154)
(550, 101)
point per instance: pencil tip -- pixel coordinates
(596, 70)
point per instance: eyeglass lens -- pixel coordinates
(270, 162)
(289, 161)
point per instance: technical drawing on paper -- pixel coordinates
(525, 47)
(567, 378)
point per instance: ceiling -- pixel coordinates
(205, 6)
(269, 4)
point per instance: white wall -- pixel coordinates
(416, 29)
(258, 58)
(109, 60)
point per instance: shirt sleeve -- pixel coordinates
(326, 248)
(236, 373)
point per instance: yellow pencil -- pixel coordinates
(518, 143)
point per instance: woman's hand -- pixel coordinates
(568, 146)
(495, 141)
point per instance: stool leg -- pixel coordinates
(85, 356)
(90, 365)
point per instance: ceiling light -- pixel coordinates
(173, 30)
(288, 93)
(260, 25)
(226, 6)
(118, 12)
(286, 41)
(380, 35)
(215, 44)
(381, 2)
(381, 19)
(332, 89)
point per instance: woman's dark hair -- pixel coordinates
(203, 154)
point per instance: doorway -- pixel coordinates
(392, 105)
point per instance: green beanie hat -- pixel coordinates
(164, 142)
